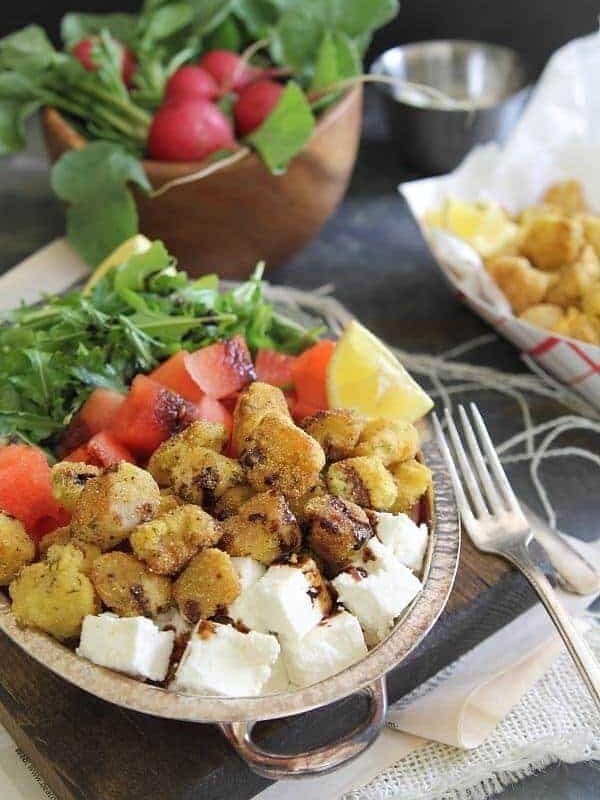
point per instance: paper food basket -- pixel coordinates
(557, 138)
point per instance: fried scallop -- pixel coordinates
(173, 455)
(112, 504)
(232, 499)
(167, 543)
(207, 586)
(522, 284)
(412, 481)
(54, 595)
(281, 456)
(206, 476)
(337, 430)
(552, 240)
(362, 480)
(16, 548)
(567, 195)
(388, 440)
(254, 403)
(68, 479)
(127, 587)
(264, 528)
(336, 529)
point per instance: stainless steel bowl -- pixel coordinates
(487, 87)
(236, 716)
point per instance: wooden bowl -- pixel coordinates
(242, 214)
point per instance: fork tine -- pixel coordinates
(461, 498)
(466, 468)
(495, 503)
(494, 461)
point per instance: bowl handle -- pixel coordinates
(311, 762)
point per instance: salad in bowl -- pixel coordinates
(198, 492)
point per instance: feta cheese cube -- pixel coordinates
(376, 588)
(406, 540)
(279, 680)
(248, 569)
(219, 660)
(133, 645)
(244, 608)
(172, 620)
(335, 643)
(287, 602)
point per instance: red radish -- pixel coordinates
(104, 450)
(189, 82)
(96, 414)
(309, 373)
(174, 374)
(82, 51)
(229, 70)
(149, 415)
(188, 130)
(25, 490)
(222, 368)
(273, 367)
(254, 105)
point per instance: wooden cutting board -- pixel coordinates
(87, 749)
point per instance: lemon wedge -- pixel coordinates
(366, 376)
(130, 247)
(486, 226)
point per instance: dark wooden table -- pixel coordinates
(373, 253)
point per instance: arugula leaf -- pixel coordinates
(27, 50)
(75, 26)
(286, 130)
(55, 354)
(134, 272)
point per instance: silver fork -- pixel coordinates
(496, 524)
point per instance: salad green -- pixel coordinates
(54, 354)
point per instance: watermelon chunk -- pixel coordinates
(274, 368)
(300, 410)
(26, 492)
(222, 368)
(150, 414)
(309, 374)
(80, 455)
(95, 415)
(174, 374)
(104, 450)
(214, 411)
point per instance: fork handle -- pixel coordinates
(584, 659)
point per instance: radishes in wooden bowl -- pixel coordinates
(237, 127)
